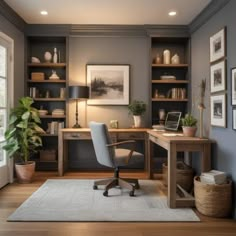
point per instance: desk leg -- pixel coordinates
(171, 198)
(150, 159)
(206, 158)
(60, 153)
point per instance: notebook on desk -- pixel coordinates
(171, 122)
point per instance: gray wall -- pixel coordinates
(19, 55)
(110, 50)
(224, 155)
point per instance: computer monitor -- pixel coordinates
(172, 120)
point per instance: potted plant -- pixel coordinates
(189, 125)
(23, 138)
(137, 108)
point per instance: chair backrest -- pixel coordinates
(101, 138)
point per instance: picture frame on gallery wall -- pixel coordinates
(218, 77)
(234, 118)
(218, 45)
(218, 110)
(233, 86)
(109, 84)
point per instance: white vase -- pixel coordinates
(47, 56)
(137, 121)
(55, 57)
(166, 56)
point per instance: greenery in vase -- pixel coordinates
(137, 108)
(23, 131)
(189, 120)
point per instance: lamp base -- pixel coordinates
(76, 126)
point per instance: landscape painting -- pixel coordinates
(109, 84)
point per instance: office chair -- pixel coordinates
(108, 155)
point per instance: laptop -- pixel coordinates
(172, 120)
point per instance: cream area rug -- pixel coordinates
(75, 200)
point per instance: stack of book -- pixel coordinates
(58, 112)
(54, 127)
(213, 177)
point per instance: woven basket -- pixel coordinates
(184, 175)
(213, 199)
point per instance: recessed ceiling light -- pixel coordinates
(172, 13)
(44, 13)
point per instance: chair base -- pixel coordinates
(130, 184)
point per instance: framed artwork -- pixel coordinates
(218, 110)
(109, 84)
(218, 45)
(218, 77)
(233, 85)
(234, 118)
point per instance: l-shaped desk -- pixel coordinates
(171, 142)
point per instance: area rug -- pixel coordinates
(75, 200)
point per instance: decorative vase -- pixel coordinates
(137, 121)
(25, 172)
(55, 57)
(47, 57)
(175, 59)
(166, 57)
(189, 131)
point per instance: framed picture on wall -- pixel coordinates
(233, 85)
(234, 118)
(218, 45)
(109, 84)
(218, 110)
(218, 77)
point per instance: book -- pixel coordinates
(213, 177)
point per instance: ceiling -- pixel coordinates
(123, 12)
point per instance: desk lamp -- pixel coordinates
(78, 93)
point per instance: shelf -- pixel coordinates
(170, 81)
(170, 65)
(168, 100)
(47, 64)
(51, 116)
(48, 81)
(49, 99)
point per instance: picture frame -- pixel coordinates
(108, 84)
(234, 118)
(233, 86)
(218, 45)
(218, 110)
(218, 77)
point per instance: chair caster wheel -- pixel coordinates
(105, 193)
(131, 193)
(95, 187)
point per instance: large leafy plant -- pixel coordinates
(23, 131)
(189, 120)
(137, 108)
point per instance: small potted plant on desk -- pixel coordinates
(137, 108)
(189, 125)
(23, 138)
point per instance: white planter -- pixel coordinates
(137, 121)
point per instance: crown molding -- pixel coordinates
(9, 14)
(212, 8)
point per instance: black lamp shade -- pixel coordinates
(78, 92)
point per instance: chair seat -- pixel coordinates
(122, 158)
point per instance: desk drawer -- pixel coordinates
(153, 139)
(76, 136)
(130, 136)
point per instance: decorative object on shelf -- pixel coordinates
(58, 112)
(218, 45)
(167, 77)
(137, 108)
(47, 94)
(166, 56)
(23, 138)
(109, 84)
(54, 75)
(114, 124)
(78, 93)
(233, 85)
(48, 155)
(37, 76)
(201, 106)
(48, 57)
(55, 56)
(189, 125)
(62, 93)
(157, 60)
(156, 93)
(162, 116)
(35, 60)
(218, 110)
(43, 112)
(218, 78)
(175, 59)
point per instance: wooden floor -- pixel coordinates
(13, 195)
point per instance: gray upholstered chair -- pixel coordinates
(109, 155)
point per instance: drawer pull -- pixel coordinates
(75, 135)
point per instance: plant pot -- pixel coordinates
(25, 172)
(189, 131)
(137, 121)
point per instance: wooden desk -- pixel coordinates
(174, 144)
(84, 134)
